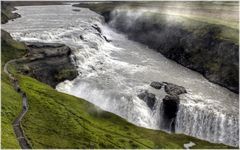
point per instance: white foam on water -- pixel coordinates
(112, 74)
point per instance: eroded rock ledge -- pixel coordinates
(49, 63)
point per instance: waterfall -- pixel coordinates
(208, 125)
(112, 74)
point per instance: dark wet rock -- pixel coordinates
(170, 107)
(142, 95)
(97, 28)
(16, 15)
(43, 45)
(77, 10)
(107, 39)
(49, 63)
(48, 50)
(156, 85)
(173, 89)
(149, 98)
(100, 35)
(81, 37)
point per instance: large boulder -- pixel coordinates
(156, 85)
(169, 111)
(173, 89)
(143, 94)
(170, 106)
(148, 98)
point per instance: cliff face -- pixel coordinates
(49, 63)
(199, 46)
(206, 42)
(208, 48)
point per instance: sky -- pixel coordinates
(119, 0)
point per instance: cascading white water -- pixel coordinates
(202, 121)
(112, 74)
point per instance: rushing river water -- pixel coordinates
(112, 74)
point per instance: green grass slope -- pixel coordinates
(10, 99)
(58, 120)
(10, 48)
(11, 106)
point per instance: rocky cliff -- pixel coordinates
(199, 49)
(206, 46)
(49, 63)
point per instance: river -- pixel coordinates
(112, 74)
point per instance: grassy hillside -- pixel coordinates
(11, 101)
(11, 106)
(10, 48)
(57, 120)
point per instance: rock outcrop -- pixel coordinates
(170, 103)
(49, 63)
(96, 27)
(170, 106)
(173, 89)
(156, 85)
(149, 98)
(6, 12)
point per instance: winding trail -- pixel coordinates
(17, 122)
